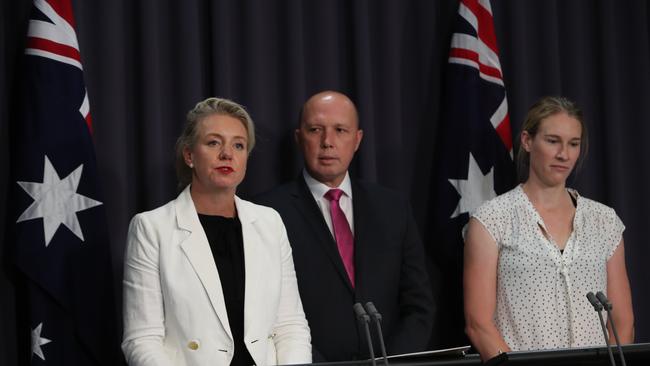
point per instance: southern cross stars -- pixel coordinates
(56, 201)
(38, 341)
(474, 190)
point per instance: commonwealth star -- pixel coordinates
(56, 201)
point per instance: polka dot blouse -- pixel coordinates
(541, 302)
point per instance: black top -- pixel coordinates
(573, 200)
(575, 204)
(227, 245)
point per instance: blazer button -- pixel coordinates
(193, 345)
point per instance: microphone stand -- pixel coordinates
(363, 317)
(599, 308)
(376, 317)
(608, 307)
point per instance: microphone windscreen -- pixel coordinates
(594, 302)
(604, 300)
(360, 311)
(373, 310)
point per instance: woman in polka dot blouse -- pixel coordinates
(533, 253)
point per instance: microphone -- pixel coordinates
(363, 317)
(608, 307)
(599, 308)
(376, 317)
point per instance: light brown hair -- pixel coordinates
(542, 109)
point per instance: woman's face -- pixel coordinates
(219, 155)
(554, 150)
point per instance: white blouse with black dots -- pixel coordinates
(541, 292)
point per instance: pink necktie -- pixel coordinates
(342, 232)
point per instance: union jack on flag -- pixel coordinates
(59, 242)
(55, 38)
(474, 144)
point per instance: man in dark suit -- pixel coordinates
(358, 243)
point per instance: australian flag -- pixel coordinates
(474, 149)
(59, 242)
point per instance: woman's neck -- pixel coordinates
(220, 203)
(547, 197)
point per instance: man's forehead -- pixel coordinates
(328, 121)
(323, 119)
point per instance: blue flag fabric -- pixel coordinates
(59, 242)
(474, 149)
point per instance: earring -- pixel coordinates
(191, 165)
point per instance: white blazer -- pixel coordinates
(174, 310)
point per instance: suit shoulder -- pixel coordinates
(260, 210)
(156, 213)
(276, 195)
(377, 191)
(154, 222)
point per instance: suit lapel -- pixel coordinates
(305, 203)
(197, 250)
(364, 229)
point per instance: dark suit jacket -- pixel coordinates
(389, 270)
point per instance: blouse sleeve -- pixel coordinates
(491, 218)
(613, 229)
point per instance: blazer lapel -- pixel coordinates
(197, 250)
(305, 203)
(254, 266)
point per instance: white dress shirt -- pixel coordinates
(319, 189)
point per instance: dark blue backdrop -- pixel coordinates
(147, 62)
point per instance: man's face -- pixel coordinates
(328, 136)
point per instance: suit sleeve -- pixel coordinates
(143, 315)
(417, 307)
(292, 337)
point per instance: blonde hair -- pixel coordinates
(189, 136)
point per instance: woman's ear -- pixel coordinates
(187, 156)
(526, 140)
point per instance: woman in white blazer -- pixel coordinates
(208, 277)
